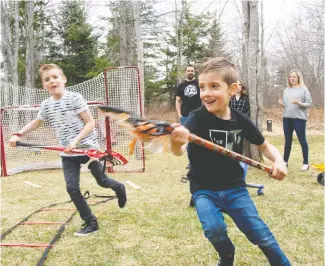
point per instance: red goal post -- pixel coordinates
(117, 86)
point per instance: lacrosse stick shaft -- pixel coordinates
(91, 153)
(132, 124)
(52, 148)
(214, 147)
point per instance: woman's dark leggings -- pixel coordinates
(298, 125)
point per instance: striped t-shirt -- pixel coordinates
(63, 115)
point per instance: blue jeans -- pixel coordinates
(238, 204)
(298, 125)
(182, 120)
(245, 168)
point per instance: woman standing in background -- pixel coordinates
(296, 100)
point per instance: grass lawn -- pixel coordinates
(157, 227)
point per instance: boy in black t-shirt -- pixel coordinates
(216, 181)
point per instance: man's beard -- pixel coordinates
(190, 77)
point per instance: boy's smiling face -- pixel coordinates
(215, 93)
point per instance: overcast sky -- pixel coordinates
(276, 13)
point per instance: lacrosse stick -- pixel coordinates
(113, 157)
(147, 130)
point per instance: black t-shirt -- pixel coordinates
(189, 91)
(211, 170)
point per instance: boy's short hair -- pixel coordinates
(222, 67)
(46, 67)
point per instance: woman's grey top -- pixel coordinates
(294, 110)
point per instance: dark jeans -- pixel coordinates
(298, 125)
(182, 121)
(238, 204)
(71, 170)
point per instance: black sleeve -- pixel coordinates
(179, 91)
(251, 132)
(191, 123)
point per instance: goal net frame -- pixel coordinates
(115, 86)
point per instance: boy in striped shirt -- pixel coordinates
(74, 126)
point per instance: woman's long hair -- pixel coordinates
(300, 78)
(244, 90)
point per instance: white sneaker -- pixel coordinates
(304, 168)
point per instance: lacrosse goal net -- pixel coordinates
(116, 86)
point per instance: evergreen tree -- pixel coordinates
(73, 46)
(216, 42)
(195, 33)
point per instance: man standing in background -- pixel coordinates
(188, 95)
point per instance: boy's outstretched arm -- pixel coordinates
(89, 126)
(179, 139)
(273, 154)
(31, 126)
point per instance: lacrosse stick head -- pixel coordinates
(138, 126)
(113, 157)
(140, 129)
(114, 113)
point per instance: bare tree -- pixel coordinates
(245, 10)
(30, 44)
(251, 60)
(139, 43)
(179, 39)
(10, 39)
(123, 33)
(301, 46)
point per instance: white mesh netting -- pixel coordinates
(118, 87)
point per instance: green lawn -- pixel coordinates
(157, 227)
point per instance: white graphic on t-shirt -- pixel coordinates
(219, 137)
(190, 90)
(227, 139)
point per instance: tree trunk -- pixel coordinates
(261, 74)
(179, 40)
(130, 34)
(123, 37)
(5, 44)
(245, 9)
(10, 45)
(30, 71)
(139, 42)
(15, 45)
(250, 10)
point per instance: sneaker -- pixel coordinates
(88, 228)
(286, 164)
(121, 196)
(304, 168)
